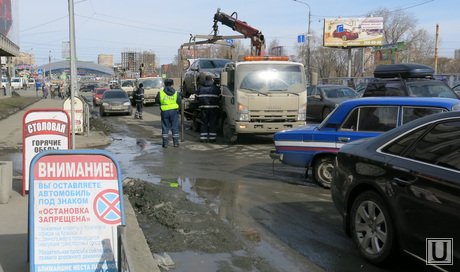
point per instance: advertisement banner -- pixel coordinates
(43, 129)
(75, 206)
(351, 32)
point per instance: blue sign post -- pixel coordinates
(75, 207)
(229, 41)
(301, 39)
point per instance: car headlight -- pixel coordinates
(243, 113)
(126, 104)
(105, 104)
(302, 114)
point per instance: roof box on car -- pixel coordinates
(403, 70)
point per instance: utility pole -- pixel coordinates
(308, 36)
(73, 70)
(49, 66)
(436, 50)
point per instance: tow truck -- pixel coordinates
(260, 95)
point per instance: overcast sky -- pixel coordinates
(112, 26)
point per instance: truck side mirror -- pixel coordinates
(314, 79)
(223, 78)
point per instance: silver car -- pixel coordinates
(115, 101)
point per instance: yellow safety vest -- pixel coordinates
(168, 102)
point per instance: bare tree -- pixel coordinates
(397, 24)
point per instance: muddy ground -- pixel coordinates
(172, 223)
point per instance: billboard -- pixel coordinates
(350, 32)
(9, 23)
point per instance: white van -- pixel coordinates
(16, 83)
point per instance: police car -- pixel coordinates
(315, 146)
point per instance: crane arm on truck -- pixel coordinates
(257, 38)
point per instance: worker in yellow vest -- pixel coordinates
(169, 101)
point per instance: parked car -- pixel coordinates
(457, 89)
(346, 34)
(360, 88)
(315, 146)
(323, 99)
(402, 188)
(89, 87)
(115, 101)
(198, 70)
(97, 96)
(407, 79)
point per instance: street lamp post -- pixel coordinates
(308, 35)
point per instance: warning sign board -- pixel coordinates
(76, 204)
(44, 129)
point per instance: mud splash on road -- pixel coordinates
(172, 223)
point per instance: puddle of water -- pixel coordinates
(126, 151)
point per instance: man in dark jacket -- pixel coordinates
(139, 100)
(169, 101)
(208, 96)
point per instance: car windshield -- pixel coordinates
(127, 84)
(115, 95)
(152, 82)
(101, 91)
(269, 77)
(338, 92)
(430, 89)
(209, 64)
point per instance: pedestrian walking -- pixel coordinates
(169, 101)
(208, 95)
(61, 91)
(139, 100)
(37, 87)
(45, 91)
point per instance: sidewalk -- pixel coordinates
(14, 214)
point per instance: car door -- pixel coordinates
(423, 177)
(363, 122)
(314, 102)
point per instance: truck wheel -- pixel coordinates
(323, 169)
(228, 132)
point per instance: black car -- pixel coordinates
(407, 79)
(200, 69)
(400, 192)
(323, 99)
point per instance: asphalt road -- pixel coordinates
(290, 220)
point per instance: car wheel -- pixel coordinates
(101, 111)
(344, 37)
(323, 169)
(228, 132)
(372, 228)
(326, 112)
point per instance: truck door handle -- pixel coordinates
(402, 182)
(344, 139)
